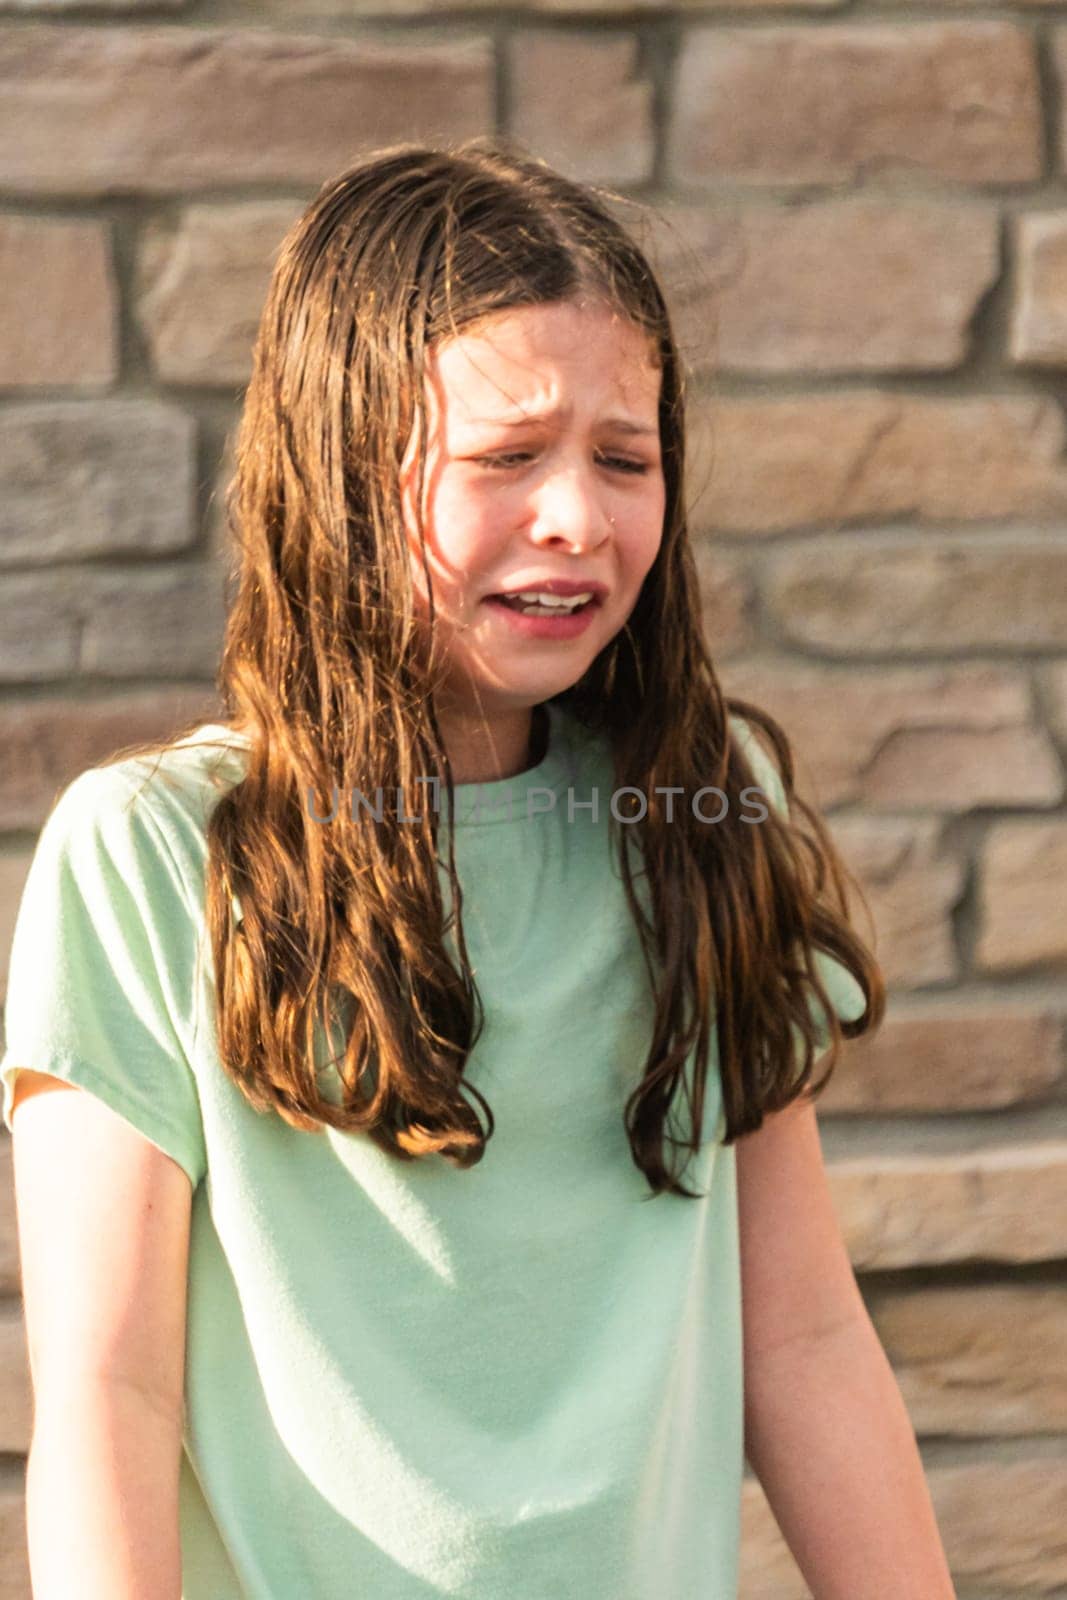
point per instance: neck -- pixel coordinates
(484, 752)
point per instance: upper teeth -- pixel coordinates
(537, 598)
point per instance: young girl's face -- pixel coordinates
(543, 463)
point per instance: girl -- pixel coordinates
(449, 1010)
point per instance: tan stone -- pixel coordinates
(39, 627)
(957, 769)
(1058, 51)
(843, 103)
(579, 100)
(85, 110)
(977, 1359)
(839, 720)
(910, 887)
(909, 594)
(219, 544)
(59, 315)
(14, 1558)
(10, 1282)
(625, 9)
(762, 464)
(1055, 676)
(998, 1203)
(13, 870)
(166, 621)
(44, 744)
(1000, 1522)
(80, 479)
(727, 592)
(149, 621)
(44, 7)
(16, 1398)
(826, 286)
(201, 286)
(1038, 330)
(964, 5)
(1022, 904)
(952, 1053)
(838, 723)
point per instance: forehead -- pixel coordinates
(569, 354)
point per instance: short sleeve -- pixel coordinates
(94, 994)
(846, 995)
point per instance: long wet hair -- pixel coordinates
(331, 679)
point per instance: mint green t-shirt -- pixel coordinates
(403, 1380)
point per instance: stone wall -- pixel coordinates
(861, 214)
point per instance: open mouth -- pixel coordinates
(532, 608)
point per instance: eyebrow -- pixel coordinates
(620, 424)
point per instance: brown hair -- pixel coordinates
(324, 673)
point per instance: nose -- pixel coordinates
(569, 506)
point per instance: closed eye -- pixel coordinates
(515, 457)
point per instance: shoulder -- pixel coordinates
(764, 767)
(188, 777)
(140, 820)
(97, 812)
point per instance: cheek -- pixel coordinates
(645, 535)
(464, 529)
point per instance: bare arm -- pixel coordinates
(828, 1435)
(826, 1429)
(102, 1496)
(103, 1226)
